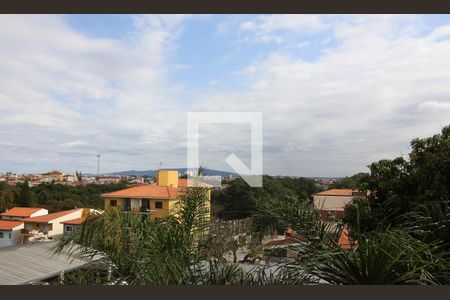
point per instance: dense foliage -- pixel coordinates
(238, 200)
(55, 197)
(413, 193)
(353, 182)
(399, 232)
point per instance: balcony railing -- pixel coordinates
(145, 209)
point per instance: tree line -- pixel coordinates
(55, 197)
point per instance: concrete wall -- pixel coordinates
(67, 228)
(331, 202)
(167, 178)
(58, 228)
(15, 237)
(40, 213)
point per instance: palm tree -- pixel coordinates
(144, 252)
(169, 252)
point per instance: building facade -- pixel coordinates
(157, 200)
(332, 202)
(10, 233)
(48, 226)
(20, 213)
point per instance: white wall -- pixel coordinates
(58, 228)
(5, 241)
(40, 212)
(15, 237)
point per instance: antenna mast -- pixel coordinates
(98, 165)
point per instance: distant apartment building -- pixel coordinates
(10, 232)
(48, 226)
(332, 202)
(20, 213)
(69, 178)
(52, 176)
(157, 200)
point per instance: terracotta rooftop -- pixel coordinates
(9, 225)
(49, 217)
(77, 221)
(146, 191)
(23, 212)
(344, 240)
(339, 192)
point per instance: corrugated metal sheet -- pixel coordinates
(29, 263)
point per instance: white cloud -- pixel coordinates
(357, 103)
(60, 87)
(66, 97)
(268, 28)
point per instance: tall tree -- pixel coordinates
(25, 197)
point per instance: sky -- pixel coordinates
(337, 92)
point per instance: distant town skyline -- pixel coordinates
(337, 92)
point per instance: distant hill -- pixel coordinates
(182, 171)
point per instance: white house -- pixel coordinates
(20, 213)
(10, 234)
(50, 225)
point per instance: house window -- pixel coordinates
(145, 203)
(69, 228)
(1, 235)
(158, 204)
(113, 202)
(9, 235)
(127, 204)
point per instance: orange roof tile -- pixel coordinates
(77, 221)
(9, 225)
(24, 212)
(146, 191)
(49, 217)
(339, 192)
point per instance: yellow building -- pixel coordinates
(157, 199)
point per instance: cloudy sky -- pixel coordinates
(336, 92)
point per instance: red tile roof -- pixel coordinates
(344, 241)
(339, 192)
(49, 217)
(77, 221)
(23, 212)
(9, 225)
(146, 191)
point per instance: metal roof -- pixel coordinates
(34, 262)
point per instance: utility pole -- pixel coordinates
(98, 166)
